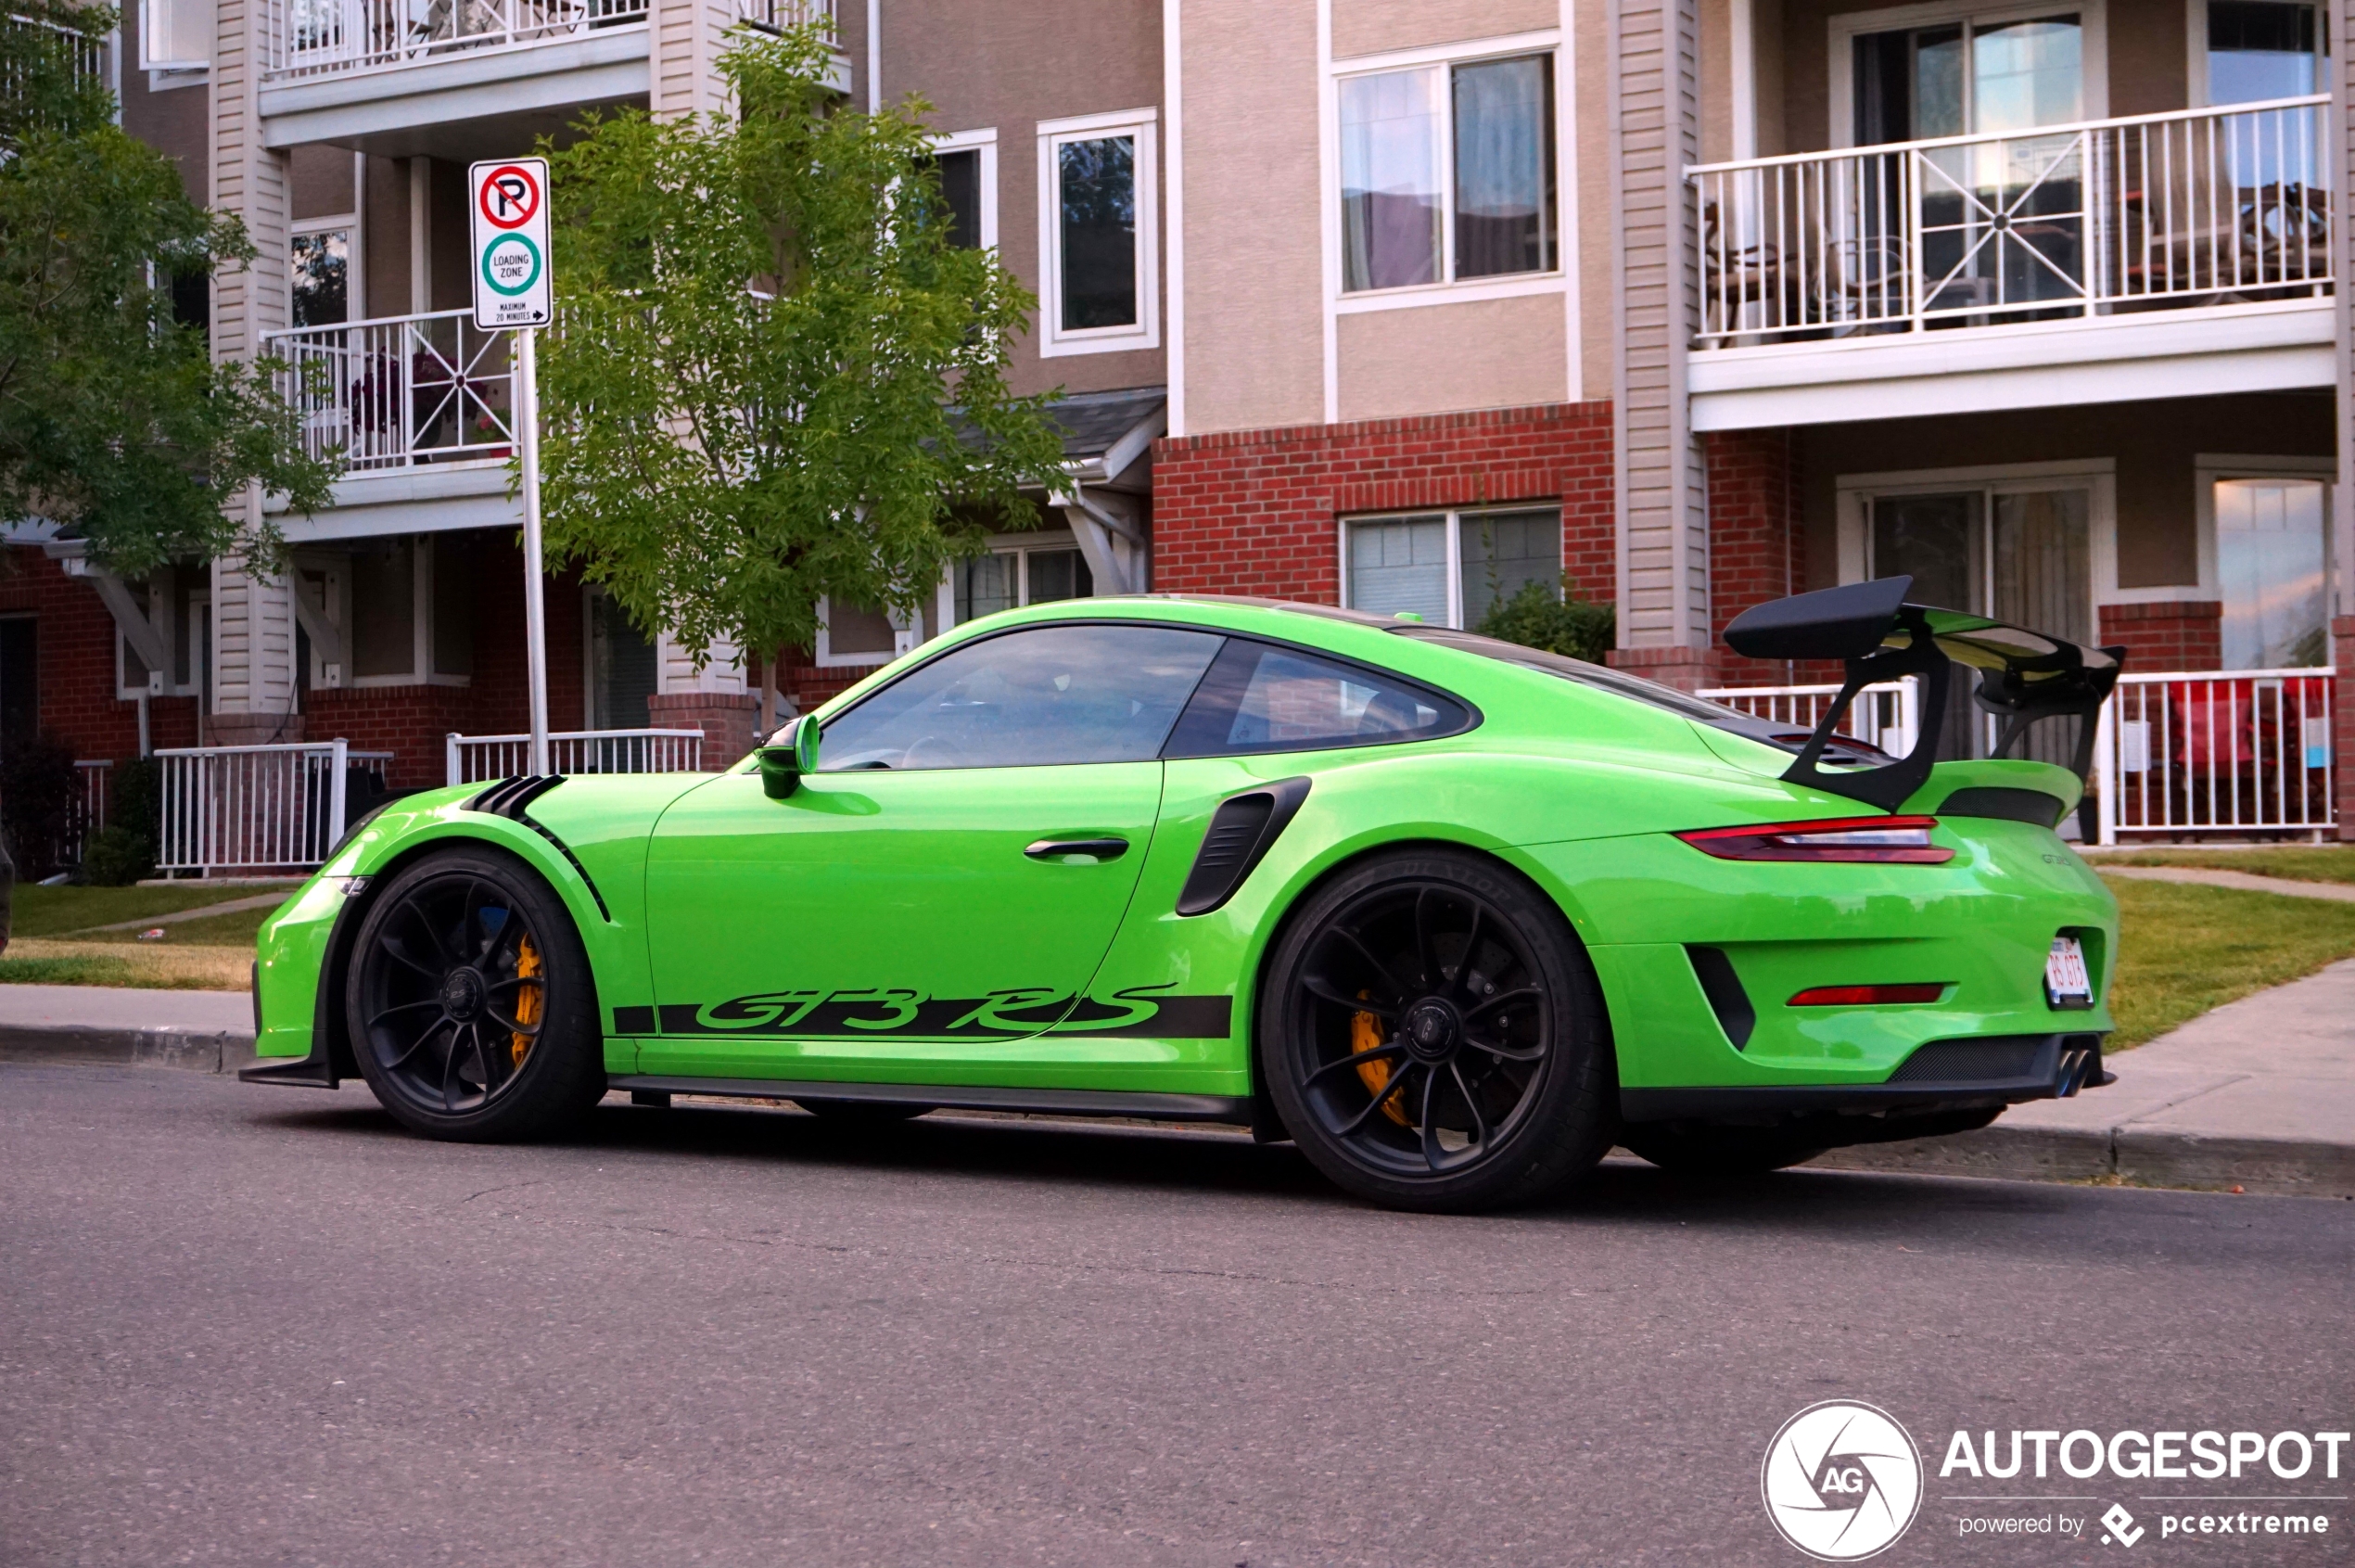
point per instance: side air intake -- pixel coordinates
(1241, 831)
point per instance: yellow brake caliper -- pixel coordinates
(1366, 1034)
(529, 1000)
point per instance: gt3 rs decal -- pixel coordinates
(1140, 1012)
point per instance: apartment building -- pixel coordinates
(1686, 304)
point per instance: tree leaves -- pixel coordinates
(773, 377)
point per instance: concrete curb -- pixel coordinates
(191, 1050)
(2295, 1168)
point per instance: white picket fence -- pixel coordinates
(250, 809)
(1883, 714)
(2228, 752)
(2182, 753)
(473, 758)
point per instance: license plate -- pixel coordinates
(2065, 982)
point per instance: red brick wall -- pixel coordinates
(2176, 634)
(76, 672)
(1757, 547)
(800, 676)
(409, 721)
(1255, 511)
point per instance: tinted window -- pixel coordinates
(1261, 697)
(1053, 693)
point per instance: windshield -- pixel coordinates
(1783, 736)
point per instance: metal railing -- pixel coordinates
(2201, 207)
(399, 390)
(475, 758)
(89, 806)
(2223, 752)
(258, 807)
(83, 53)
(320, 37)
(1882, 714)
(771, 15)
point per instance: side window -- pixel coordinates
(1050, 693)
(1261, 697)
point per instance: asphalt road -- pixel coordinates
(261, 1326)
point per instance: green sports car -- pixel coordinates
(1452, 914)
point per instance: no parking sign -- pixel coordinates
(509, 212)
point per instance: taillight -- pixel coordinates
(1876, 840)
(1867, 996)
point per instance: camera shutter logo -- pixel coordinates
(1842, 1481)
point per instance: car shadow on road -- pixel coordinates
(1225, 1163)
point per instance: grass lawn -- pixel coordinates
(37, 962)
(53, 912)
(2297, 862)
(2186, 949)
(237, 930)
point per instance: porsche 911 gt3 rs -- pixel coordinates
(1452, 914)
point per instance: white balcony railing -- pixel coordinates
(322, 37)
(399, 390)
(1883, 714)
(473, 758)
(2199, 208)
(258, 807)
(2233, 752)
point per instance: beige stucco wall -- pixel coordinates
(1373, 27)
(1435, 358)
(1255, 258)
(1592, 218)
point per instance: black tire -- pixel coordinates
(1719, 1150)
(863, 1114)
(439, 1003)
(1434, 1037)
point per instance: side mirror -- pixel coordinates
(781, 765)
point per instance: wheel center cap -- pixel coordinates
(1431, 1030)
(462, 994)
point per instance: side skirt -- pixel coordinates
(1049, 1102)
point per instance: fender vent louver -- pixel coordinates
(509, 796)
(1241, 830)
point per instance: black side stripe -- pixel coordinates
(509, 796)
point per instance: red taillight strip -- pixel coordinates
(1788, 841)
(1867, 996)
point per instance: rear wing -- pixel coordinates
(2023, 676)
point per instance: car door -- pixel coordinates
(944, 884)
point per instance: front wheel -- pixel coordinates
(472, 1010)
(1433, 1038)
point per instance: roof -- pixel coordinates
(1093, 423)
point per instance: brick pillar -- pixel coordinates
(2343, 724)
(1687, 669)
(726, 719)
(2172, 634)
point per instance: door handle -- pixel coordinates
(1096, 848)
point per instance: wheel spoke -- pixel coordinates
(1382, 1053)
(1381, 970)
(1426, 945)
(1325, 991)
(442, 949)
(418, 1044)
(1395, 1085)
(1472, 951)
(403, 1007)
(529, 1031)
(470, 940)
(1510, 1053)
(1471, 1103)
(1518, 993)
(391, 948)
(512, 982)
(1432, 1150)
(502, 947)
(449, 1071)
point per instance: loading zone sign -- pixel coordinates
(510, 221)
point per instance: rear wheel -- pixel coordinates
(471, 1008)
(1719, 1150)
(1433, 1038)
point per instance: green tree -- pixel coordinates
(773, 377)
(113, 418)
(1558, 623)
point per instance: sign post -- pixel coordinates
(509, 213)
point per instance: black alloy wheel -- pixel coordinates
(1433, 1038)
(470, 1006)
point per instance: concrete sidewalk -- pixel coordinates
(210, 1031)
(2259, 1094)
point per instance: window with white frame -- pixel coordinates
(394, 611)
(1098, 268)
(2266, 531)
(320, 263)
(1940, 70)
(1038, 571)
(967, 162)
(1447, 172)
(1451, 569)
(2249, 51)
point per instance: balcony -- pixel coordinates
(2186, 253)
(416, 411)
